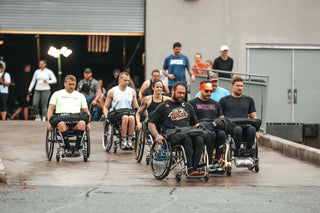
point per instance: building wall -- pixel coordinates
(204, 25)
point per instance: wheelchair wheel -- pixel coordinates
(86, 146)
(107, 136)
(256, 167)
(160, 159)
(49, 144)
(139, 145)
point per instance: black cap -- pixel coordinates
(87, 70)
(116, 71)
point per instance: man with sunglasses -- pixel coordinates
(218, 92)
(207, 110)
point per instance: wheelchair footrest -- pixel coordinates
(244, 152)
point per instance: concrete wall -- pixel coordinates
(204, 25)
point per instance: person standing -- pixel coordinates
(223, 62)
(175, 65)
(22, 93)
(5, 81)
(199, 64)
(218, 92)
(42, 78)
(90, 88)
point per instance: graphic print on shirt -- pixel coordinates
(178, 114)
(206, 106)
(176, 61)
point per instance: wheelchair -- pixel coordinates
(165, 158)
(111, 135)
(144, 138)
(54, 136)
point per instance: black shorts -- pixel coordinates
(3, 102)
(70, 119)
(116, 115)
(23, 102)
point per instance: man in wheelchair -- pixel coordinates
(177, 113)
(64, 113)
(122, 101)
(237, 106)
(207, 110)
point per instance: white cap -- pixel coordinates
(224, 47)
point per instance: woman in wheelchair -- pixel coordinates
(149, 103)
(64, 113)
(177, 113)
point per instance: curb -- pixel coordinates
(3, 174)
(291, 149)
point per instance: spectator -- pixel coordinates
(146, 88)
(123, 97)
(174, 67)
(114, 82)
(207, 110)
(90, 88)
(223, 62)
(218, 92)
(42, 78)
(199, 64)
(237, 105)
(209, 64)
(22, 93)
(5, 81)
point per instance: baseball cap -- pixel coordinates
(224, 47)
(213, 77)
(116, 71)
(87, 70)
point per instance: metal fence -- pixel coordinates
(255, 86)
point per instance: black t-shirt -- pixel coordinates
(224, 65)
(170, 114)
(237, 107)
(206, 109)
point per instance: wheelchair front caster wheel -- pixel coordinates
(178, 177)
(58, 158)
(147, 161)
(115, 150)
(206, 177)
(228, 171)
(256, 168)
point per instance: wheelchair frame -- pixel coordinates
(55, 136)
(109, 132)
(167, 158)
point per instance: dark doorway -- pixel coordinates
(20, 49)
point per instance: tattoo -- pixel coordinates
(153, 129)
(190, 71)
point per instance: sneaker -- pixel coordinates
(211, 168)
(76, 152)
(201, 171)
(68, 153)
(38, 118)
(123, 144)
(192, 172)
(130, 145)
(218, 167)
(44, 118)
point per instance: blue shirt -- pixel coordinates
(176, 66)
(217, 94)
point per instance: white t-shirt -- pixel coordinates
(39, 76)
(122, 99)
(5, 89)
(66, 102)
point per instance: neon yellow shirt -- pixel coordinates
(66, 102)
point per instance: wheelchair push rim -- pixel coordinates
(160, 160)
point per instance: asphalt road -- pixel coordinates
(116, 182)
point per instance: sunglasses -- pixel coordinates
(208, 91)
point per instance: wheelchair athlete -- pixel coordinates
(177, 113)
(149, 103)
(68, 102)
(122, 97)
(207, 110)
(238, 105)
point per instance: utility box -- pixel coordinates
(288, 131)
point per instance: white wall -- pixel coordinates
(204, 25)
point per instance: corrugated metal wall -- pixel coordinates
(73, 16)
